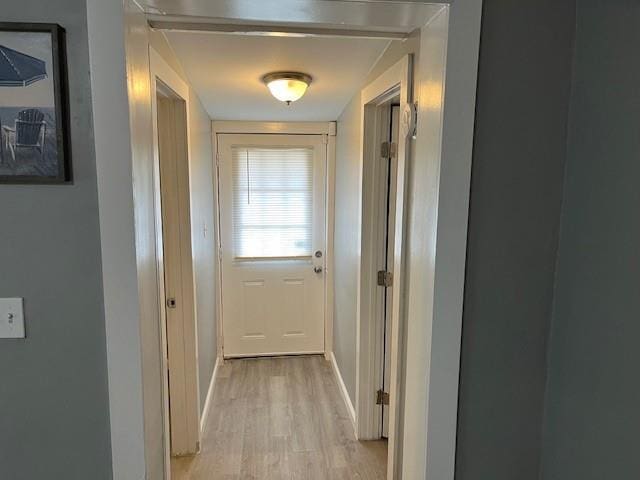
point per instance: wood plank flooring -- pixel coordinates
(280, 418)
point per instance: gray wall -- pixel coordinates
(516, 187)
(593, 403)
(53, 394)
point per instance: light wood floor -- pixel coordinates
(280, 418)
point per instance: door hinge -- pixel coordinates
(382, 398)
(388, 149)
(385, 279)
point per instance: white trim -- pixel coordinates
(209, 400)
(289, 128)
(438, 235)
(389, 80)
(218, 242)
(159, 260)
(178, 23)
(114, 175)
(330, 211)
(159, 68)
(185, 378)
(344, 392)
(394, 81)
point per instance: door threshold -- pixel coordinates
(277, 354)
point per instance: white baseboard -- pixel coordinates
(209, 399)
(344, 392)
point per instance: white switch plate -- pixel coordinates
(11, 318)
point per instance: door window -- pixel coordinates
(272, 202)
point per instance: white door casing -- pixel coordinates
(396, 82)
(272, 303)
(112, 119)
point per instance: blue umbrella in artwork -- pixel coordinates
(19, 69)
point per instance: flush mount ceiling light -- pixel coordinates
(287, 86)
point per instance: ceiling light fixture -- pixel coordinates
(287, 86)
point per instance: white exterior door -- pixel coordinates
(272, 236)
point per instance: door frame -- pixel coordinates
(117, 45)
(328, 129)
(393, 83)
(182, 441)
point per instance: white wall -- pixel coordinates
(139, 39)
(137, 57)
(422, 217)
(347, 250)
(119, 249)
(127, 220)
(202, 220)
(203, 240)
(437, 212)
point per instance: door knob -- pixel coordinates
(317, 269)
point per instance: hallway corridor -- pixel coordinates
(280, 418)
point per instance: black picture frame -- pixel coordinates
(63, 174)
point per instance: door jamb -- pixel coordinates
(160, 70)
(384, 248)
(328, 129)
(395, 81)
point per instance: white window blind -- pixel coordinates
(272, 201)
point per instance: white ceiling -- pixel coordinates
(226, 71)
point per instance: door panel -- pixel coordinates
(272, 221)
(293, 307)
(253, 319)
(178, 274)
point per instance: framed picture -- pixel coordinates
(34, 117)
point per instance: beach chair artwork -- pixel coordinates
(33, 115)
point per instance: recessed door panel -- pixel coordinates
(253, 317)
(293, 293)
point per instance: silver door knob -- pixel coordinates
(317, 269)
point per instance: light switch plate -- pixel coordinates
(11, 318)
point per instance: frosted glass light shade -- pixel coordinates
(287, 86)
